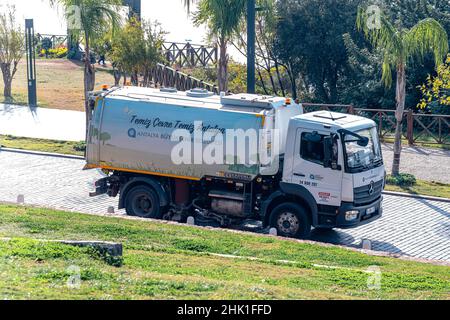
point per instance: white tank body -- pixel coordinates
(133, 130)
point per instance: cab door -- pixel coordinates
(325, 184)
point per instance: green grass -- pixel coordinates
(52, 146)
(59, 83)
(433, 189)
(166, 261)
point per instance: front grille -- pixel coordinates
(362, 195)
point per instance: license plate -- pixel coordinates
(371, 210)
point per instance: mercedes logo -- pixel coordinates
(371, 188)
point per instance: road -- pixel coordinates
(413, 227)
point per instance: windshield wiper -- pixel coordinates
(361, 167)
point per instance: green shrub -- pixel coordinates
(80, 146)
(402, 180)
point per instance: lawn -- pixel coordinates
(426, 188)
(166, 261)
(59, 84)
(52, 146)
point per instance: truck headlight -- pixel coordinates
(351, 215)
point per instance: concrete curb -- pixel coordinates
(416, 196)
(40, 153)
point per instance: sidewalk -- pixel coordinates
(42, 123)
(425, 163)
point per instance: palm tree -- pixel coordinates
(222, 17)
(91, 19)
(398, 45)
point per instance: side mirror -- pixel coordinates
(364, 142)
(330, 159)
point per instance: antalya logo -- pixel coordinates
(132, 133)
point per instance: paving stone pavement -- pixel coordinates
(413, 227)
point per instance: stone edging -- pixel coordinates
(414, 196)
(41, 153)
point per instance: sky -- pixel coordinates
(170, 13)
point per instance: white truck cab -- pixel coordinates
(329, 172)
(337, 159)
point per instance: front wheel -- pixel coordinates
(291, 221)
(142, 201)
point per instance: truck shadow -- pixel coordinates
(339, 237)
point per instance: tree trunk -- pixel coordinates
(135, 78)
(400, 98)
(223, 66)
(262, 82)
(277, 68)
(292, 80)
(7, 80)
(117, 77)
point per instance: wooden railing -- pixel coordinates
(189, 55)
(416, 127)
(57, 40)
(164, 76)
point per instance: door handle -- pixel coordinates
(300, 175)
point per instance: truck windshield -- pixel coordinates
(360, 158)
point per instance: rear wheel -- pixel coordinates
(291, 221)
(142, 201)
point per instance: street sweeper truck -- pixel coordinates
(170, 155)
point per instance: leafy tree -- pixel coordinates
(127, 54)
(274, 76)
(436, 91)
(361, 85)
(91, 19)
(222, 18)
(406, 13)
(136, 49)
(309, 39)
(154, 37)
(399, 45)
(12, 48)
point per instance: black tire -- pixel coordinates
(291, 221)
(142, 201)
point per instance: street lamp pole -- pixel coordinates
(31, 62)
(251, 39)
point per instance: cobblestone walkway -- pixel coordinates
(418, 228)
